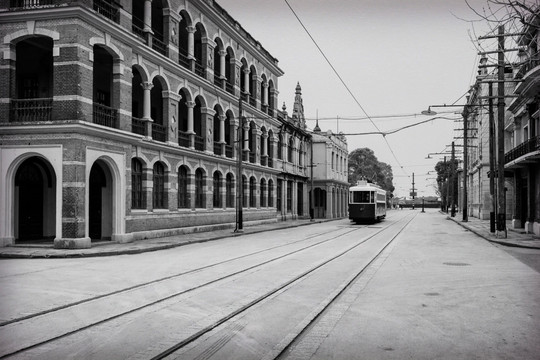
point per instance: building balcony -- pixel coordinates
(105, 116)
(183, 139)
(31, 110)
(138, 126)
(108, 8)
(159, 132)
(526, 152)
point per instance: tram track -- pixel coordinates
(278, 350)
(196, 334)
(7, 326)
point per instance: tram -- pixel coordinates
(367, 202)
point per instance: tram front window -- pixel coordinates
(362, 197)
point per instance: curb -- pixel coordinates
(482, 235)
(151, 248)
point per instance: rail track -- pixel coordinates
(53, 328)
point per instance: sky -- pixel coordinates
(396, 57)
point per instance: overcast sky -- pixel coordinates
(397, 57)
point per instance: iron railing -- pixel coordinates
(183, 59)
(229, 87)
(159, 132)
(138, 126)
(199, 143)
(524, 148)
(104, 115)
(31, 110)
(217, 148)
(270, 162)
(228, 151)
(252, 101)
(159, 45)
(183, 139)
(27, 4)
(108, 9)
(200, 70)
(137, 26)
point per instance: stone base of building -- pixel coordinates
(77, 243)
(122, 238)
(516, 224)
(7, 241)
(532, 227)
(151, 234)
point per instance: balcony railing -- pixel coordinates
(252, 101)
(28, 4)
(31, 110)
(229, 87)
(217, 80)
(159, 45)
(229, 151)
(199, 143)
(183, 139)
(138, 126)
(217, 148)
(183, 59)
(524, 148)
(159, 132)
(104, 115)
(199, 69)
(252, 157)
(137, 26)
(270, 111)
(109, 9)
(270, 162)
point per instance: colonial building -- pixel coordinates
(330, 174)
(127, 120)
(522, 158)
(482, 147)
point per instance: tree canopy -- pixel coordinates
(363, 164)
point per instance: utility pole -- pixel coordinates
(452, 176)
(501, 214)
(239, 184)
(413, 194)
(491, 160)
(447, 195)
(465, 161)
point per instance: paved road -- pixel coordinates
(436, 291)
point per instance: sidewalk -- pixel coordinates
(515, 237)
(108, 248)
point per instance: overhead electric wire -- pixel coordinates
(344, 84)
(384, 133)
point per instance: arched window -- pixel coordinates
(301, 154)
(137, 193)
(252, 142)
(270, 193)
(252, 190)
(290, 148)
(229, 195)
(280, 147)
(244, 189)
(270, 151)
(217, 190)
(183, 182)
(160, 197)
(199, 188)
(263, 193)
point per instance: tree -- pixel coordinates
(444, 177)
(363, 164)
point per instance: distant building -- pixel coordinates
(330, 174)
(121, 121)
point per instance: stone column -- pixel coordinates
(190, 105)
(147, 87)
(246, 81)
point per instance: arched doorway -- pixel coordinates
(100, 202)
(35, 188)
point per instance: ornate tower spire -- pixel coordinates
(298, 108)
